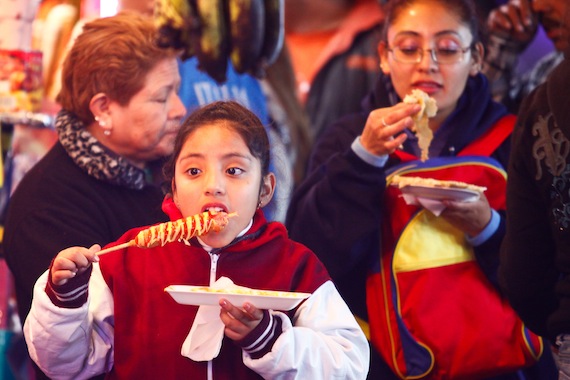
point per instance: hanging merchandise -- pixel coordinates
(20, 81)
(249, 33)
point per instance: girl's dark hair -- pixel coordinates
(464, 9)
(233, 115)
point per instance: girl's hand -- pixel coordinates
(469, 217)
(239, 322)
(71, 261)
(382, 126)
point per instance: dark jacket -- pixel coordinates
(535, 260)
(58, 205)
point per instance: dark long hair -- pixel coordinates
(233, 115)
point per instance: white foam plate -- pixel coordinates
(262, 299)
(441, 193)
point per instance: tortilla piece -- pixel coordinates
(401, 181)
(421, 119)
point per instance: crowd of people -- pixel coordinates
(306, 157)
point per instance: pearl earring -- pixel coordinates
(107, 132)
(101, 122)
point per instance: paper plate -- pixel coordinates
(441, 193)
(262, 299)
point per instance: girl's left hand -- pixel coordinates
(469, 217)
(239, 322)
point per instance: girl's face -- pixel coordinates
(215, 169)
(428, 25)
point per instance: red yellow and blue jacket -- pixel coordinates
(338, 211)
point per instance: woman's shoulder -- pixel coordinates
(48, 175)
(342, 132)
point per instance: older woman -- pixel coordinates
(120, 114)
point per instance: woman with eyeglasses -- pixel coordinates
(379, 249)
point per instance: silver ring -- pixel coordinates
(384, 123)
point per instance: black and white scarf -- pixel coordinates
(93, 157)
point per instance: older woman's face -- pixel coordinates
(145, 128)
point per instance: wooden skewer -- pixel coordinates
(116, 247)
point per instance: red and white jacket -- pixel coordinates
(119, 320)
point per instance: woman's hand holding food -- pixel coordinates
(469, 217)
(72, 261)
(239, 322)
(382, 132)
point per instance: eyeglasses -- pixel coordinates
(443, 56)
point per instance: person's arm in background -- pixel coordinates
(511, 28)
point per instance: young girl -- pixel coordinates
(94, 314)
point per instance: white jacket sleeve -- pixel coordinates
(323, 342)
(72, 343)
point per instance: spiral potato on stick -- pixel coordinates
(179, 230)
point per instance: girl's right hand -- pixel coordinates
(239, 322)
(382, 132)
(72, 261)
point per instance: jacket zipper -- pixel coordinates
(213, 268)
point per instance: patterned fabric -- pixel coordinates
(499, 63)
(550, 151)
(562, 356)
(499, 66)
(522, 86)
(93, 157)
(560, 201)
